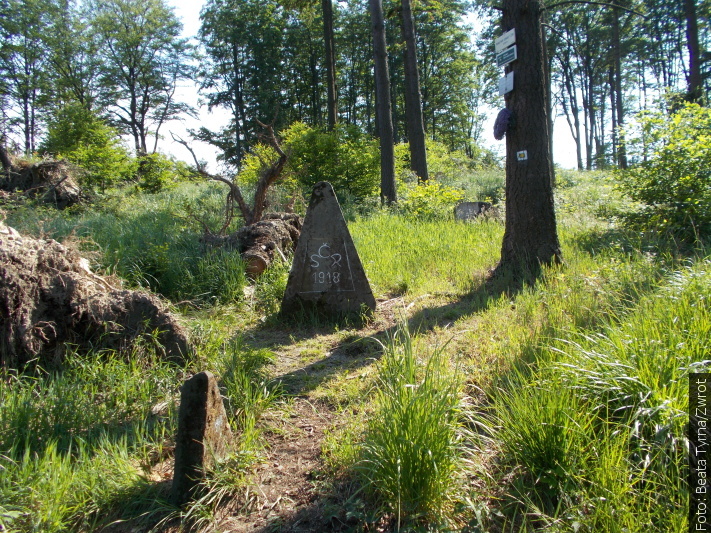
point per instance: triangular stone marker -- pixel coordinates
(326, 273)
(203, 434)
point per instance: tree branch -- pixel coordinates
(590, 2)
(235, 193)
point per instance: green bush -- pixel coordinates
(156, 172)
(673, 179)
(83, 138)
(346, 158)
(429, 201)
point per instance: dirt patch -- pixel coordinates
(49, 297)
(284, 491)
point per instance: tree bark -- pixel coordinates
(695, 80)
(388, 193)
(413, 99)
(530, 236)
(5, 158)
(617, 51)
(327, 8)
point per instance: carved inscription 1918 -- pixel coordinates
(326, 272)
(328, 266)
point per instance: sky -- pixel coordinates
(188, 11)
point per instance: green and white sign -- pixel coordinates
(507, 56)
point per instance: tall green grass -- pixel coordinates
(151, 241)
(405, 256)
(411, 451)
(597, 431)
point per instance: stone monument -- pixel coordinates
(203, 434)
(326, 274)
(472, 210)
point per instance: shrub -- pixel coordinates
(673, 179)
(346, 158)
(430, 200)
(81, 137)
(156, 172)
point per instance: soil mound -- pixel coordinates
(51, 181)
(49, 296)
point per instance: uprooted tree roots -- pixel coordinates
(53, 182)
(49, 297)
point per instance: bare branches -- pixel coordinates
(269, 175)
(234, 195)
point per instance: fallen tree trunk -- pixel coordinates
(259, 243)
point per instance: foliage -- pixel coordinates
(346, 158)
(410, 455)
(143, 58)
(429, 200)
(673, 178)
(81, 137)
(156, 172)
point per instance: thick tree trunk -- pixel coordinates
(327, 8)
(413, 99)
(547, 62)
(692, 39)
(382, 101)
(530, 237)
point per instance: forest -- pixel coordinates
(540, 366)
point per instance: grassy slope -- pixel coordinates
(542, 436)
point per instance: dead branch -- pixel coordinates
(269, 174)
(234, 194)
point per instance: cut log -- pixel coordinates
(259, 243)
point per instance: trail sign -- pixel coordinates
(506, 84)
(506, 40)
(507, 56)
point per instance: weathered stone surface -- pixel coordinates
(203, 434)
(326, 273)
(472, 210)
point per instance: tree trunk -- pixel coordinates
(328, 38)
(617, 51)
(547, 64)
(692, 39)
(382, 101)
(530, 236)
(413, 99)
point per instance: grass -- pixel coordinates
(411, 451)
(554, 405)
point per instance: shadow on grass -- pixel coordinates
(362, 348)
